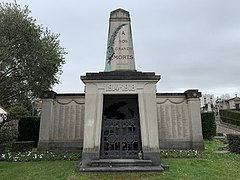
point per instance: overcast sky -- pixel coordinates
(190, 43)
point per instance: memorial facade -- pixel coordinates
(120, 115)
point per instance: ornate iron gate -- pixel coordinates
(120, 138)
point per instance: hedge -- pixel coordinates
(208, 125)
(234, 142)
(4, 147)
(230, 116)
(28, 129)
(18, 146)
(22, 146)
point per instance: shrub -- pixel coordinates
(8, 125)
(230, 116)
(21, 146)
(28, 129)
(208, 125)
(234, 142)
(18, 111)
(5, 147)
(180, 154)
(8, 132)
(40, 156)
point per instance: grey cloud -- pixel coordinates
(192, 44)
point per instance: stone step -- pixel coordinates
(127, 169)
(120, 162)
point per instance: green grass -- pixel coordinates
(211, 166)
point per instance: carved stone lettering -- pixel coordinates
(66, 122)
(114, 87)
(61, 122)
(174, 120)
(163, 128)
(185, 122)
(168, 120)
(179, 122)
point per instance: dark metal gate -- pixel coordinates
(120, 138)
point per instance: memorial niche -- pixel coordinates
(120, 138)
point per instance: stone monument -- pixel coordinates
(120, 125)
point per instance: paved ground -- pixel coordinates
(226, 128)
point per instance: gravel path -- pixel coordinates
(226, 128)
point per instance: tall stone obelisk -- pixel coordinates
(120, 53)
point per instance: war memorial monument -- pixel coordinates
(121, 123)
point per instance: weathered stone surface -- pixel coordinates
(61, 125)
(121, 75)
(122, 166)
(167, 120)
(127, 169)
(50, 133)
(179, 120)
(120, 53)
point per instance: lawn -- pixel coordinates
(211, 166)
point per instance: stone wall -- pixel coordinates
(177, 118)
(173, 122)
(62, 121)
(178, 114)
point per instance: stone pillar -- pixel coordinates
(193, 98)
(149, 124)
(92, 124)
(46, 119)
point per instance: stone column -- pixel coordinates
(91, 143)
(149, 124)
(193, 98)
(46, 119)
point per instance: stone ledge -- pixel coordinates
(128, 169)
(120, 162)
(53, 95)
(190, 93)
(121, 75)
(76, 145)
(171, 144)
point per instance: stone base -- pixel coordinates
(87, 158)
(170, 144)
(60, 145)
(129, 169)
(198, 146)
(121, 166)
(120, 162)
(153, 156)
